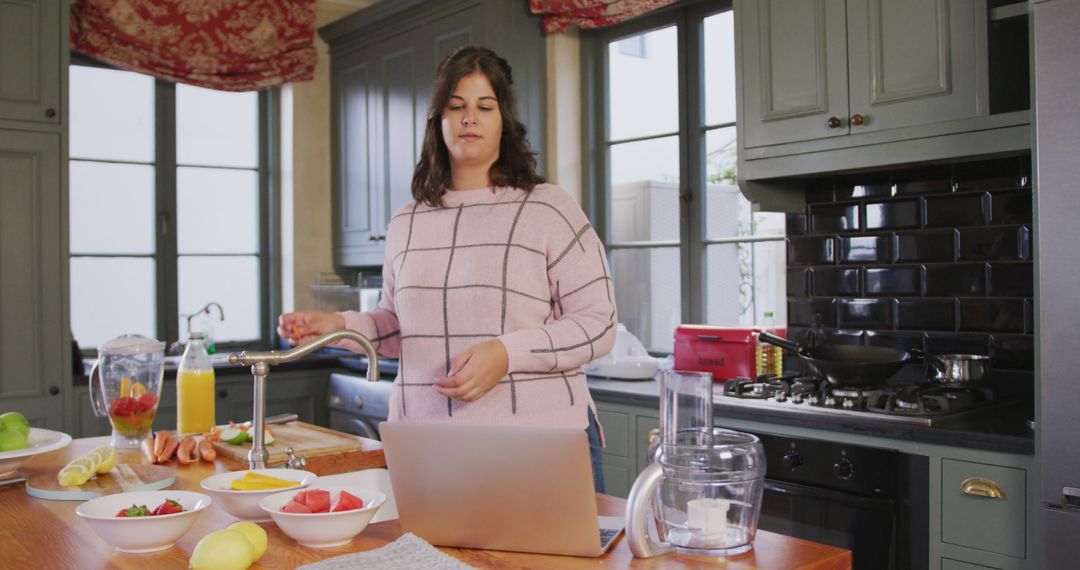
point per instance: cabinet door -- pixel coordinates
(911, 63)
(34, 366)
(400, 129)
(356, 160)
(793, 66)
(30, 60)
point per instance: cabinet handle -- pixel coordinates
(833, 123)
(979, 487)
(50, 113)
(359, 402)
(380, 238)
(54, 390)
(654, 434)
(373, 237)
(857, 119)
(223, 394)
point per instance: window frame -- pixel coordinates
(688, 17)
(166, 258)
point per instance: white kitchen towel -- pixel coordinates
(406, 553)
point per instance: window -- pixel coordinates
(169, 188)
(685, 245)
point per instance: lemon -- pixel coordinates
(73, 476)
(87, 463)
(224, 549)
(255, 535)
(108, 458)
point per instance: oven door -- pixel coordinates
(866, 526)
(356, 425)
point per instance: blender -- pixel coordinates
(705, 485)
(125, 385)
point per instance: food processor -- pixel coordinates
(125, 386)
(705, 485)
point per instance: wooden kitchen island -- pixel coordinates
(36, 533)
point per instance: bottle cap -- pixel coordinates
(768, 313)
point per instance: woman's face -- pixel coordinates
(472, 123)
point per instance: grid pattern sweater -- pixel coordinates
(524, 268)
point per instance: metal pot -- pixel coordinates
(957, 369)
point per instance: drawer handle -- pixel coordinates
(980, 487)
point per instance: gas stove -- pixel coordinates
(922, 404)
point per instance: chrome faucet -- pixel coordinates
(260, 368)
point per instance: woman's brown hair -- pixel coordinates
(516, 165)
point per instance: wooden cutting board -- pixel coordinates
(307, 440)
(123, 478)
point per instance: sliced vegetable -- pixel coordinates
(234, 436)
(268, 437)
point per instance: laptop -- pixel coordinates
(521, 489)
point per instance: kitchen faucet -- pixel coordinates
(260, 367)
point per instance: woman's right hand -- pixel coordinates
(303, 326)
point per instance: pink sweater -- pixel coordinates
(527, 269)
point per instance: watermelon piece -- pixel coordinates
(347, 502)
(296, 507)
(318, 500)
(300, 497)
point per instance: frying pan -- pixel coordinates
(846, 364)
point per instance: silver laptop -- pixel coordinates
(497, 488)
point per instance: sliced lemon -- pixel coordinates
(108, 458)
(137, 389)
(125, 387)
(73, 476)
(86, 463)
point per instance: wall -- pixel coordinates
(936, 257)
(307, 248)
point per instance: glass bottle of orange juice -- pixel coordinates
(195, 389)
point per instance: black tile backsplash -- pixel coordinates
(934, 257)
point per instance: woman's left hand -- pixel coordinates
(475, 372)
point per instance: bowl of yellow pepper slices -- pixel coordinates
(239, 492)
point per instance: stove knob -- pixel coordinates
(793, 460)
(830, 401)
(797, 398)
(848, 404)
(814, 400)
(844, 469)
(781, 397)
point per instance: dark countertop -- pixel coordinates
(225, 370)
(999, 428)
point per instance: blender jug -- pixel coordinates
(705, 485)
(125, 385)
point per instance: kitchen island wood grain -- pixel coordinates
(36, 533)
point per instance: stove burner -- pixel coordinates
(926, 400)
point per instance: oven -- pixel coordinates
(874, 502)
(357, 405)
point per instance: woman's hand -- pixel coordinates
(303, 326)
(475, 372)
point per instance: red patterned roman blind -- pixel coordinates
(585, 14)
(229, 45)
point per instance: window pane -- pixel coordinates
(216, 128)
(217, 211)
(744, 280)
(112, 114)
(643, 96)
(233, 282)
(110, 297)
(645, 190)
(112, 208)
(647, 294)
(720, 68)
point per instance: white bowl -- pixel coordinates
(142, 534)
(244, 505)
(324, 530)
(39, 441)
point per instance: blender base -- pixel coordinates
(715, 551)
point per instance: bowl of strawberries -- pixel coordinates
(323, 517)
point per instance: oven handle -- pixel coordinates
(854, 501)
(361, 428)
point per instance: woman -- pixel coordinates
(495, 287)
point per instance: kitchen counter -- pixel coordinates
(999, 428)
(47, 534)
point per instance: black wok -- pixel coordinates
(846, 364)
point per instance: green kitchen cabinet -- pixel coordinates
(828, 85)
(626, 435)
(32, 39)
(383, 64)
(303, 392)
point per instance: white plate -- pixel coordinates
(40, 441)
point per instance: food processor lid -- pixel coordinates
(129, 345)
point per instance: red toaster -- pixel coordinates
(726, 352)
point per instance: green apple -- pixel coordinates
(11, 440)
(14, 421)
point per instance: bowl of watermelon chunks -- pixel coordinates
(323, 517)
